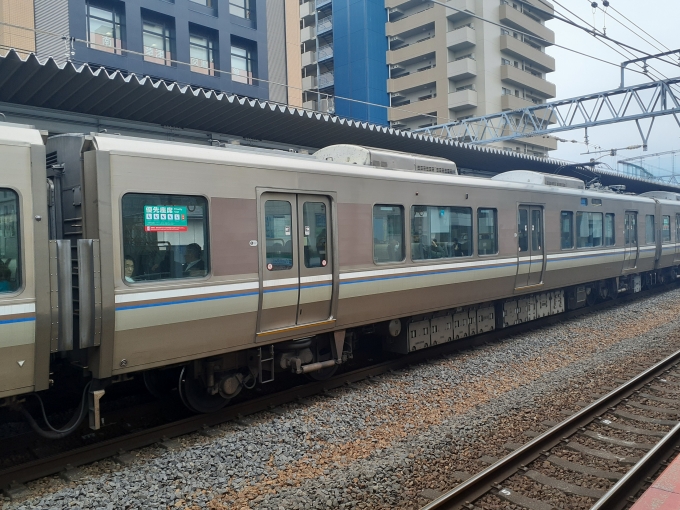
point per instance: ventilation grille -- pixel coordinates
(435, 169)
(51, 159)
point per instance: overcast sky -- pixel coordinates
(577, 75)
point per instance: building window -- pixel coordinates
(104, 27)
(242, 8)
(388, 233)
(205, 3)
(165, 237)
(10, 260)
(202, 53)
(242, 62)
(157, 38)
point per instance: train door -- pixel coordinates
(297, 273)
(677, 239)
(630, 241)
(530, 246)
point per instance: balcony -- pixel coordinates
(415, 109)
(521, 78)
(325, 53)
(410, 22)
(307, 34)
(510, 102)
(326, 80)
(522, 50)
(307, 9)
(460, 39)
(461, 69)
(547, 9)
(462, 100)
(322, 3)
(413, 80)
(324, 25)
(391, 4)
(309, 83)
(308, 58)
(310, 105)
(516, 19)
(461, 5)
(412, 51)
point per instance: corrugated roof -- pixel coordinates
(80, 89)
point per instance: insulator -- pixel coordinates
(605, 3)
(594, 5)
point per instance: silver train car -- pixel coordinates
(219, 267)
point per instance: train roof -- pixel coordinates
(293, 162)
(19, 134)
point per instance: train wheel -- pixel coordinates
(323, 374)
(323, 352)
(194, 395)
(591, 298)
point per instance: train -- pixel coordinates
(217, 268)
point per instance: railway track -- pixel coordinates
(599, 457)
(65, 461)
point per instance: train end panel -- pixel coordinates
(24, 281)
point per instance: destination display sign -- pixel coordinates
(165, 218)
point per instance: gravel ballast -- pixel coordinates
(382, 443)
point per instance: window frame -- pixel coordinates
(207, 238)
(250, 48)
(404, 233)
(212, 48)
(670, 236)
(21, 262)
(653, 241)
(495, 225)
(117, 20)
(577, 236)
(168, 36)
(248, 8)
(472, 231)
(571, 230)
(613, 215)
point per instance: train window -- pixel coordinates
(609, 230)
(567, 230)
(279, 232)
(314, 219)
(440, 232)
(487, 231)
(388, 233)
(165, 237)
(666, 229)
(650, 238)
(523, 229)
(589, 232)
(10, 262)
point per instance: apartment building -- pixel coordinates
(446, 65)
(343, 58)
(20, 36)
(235, 46)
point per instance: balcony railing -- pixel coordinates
(326, 80)
(324, 25)
(325, 52)
(322, 3)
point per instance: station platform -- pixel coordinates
(664, 493)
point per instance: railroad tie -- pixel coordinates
(654, 409)
(586, 470)
(566, 487)
(618, 442)
(672, 384)
(654, 398)
(520, 500)
(601, 454)
(632, 430)
(665, 388)
(645, 419)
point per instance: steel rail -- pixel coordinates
(481, 483)
(618, 496)
(47, 466)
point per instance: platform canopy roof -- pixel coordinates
(81, 89)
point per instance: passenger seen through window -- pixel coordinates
(164, 237)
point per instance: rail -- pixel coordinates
(481, 483)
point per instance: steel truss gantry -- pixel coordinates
(629, 103)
